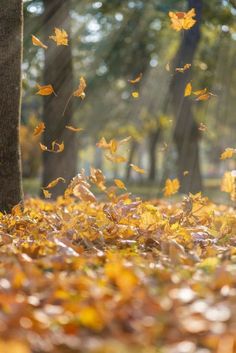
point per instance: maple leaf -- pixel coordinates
(188, 90)
(137, 169)
(45, 90)
(37, 42)
(228, 153)
(137, 79)
(60, 37)
(39, 129)
(182, 20)
(171, 187)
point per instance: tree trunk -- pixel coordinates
(153, 139)
(11, 29)
(133, 148)
(186, 134)
(58, 72)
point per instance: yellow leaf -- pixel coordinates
(137, 79)
(53, 183)
(137, 169)
(80, 90)
(200, 92)
(60, 37)
(120, 184)
(56, 147)
(39, 129)
(182, 20)
(188, 90)
(82, 192)
(183, 69)
(116, 158)
(74, 129)
(46, 90)
(228, 184)
(185, 173)
(46, 194)
(228, 153)
(135, 94)
(167, 67)
(37, 42)
(204, 97)
(171, 187)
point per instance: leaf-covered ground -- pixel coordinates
(118, 276)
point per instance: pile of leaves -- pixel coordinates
(118, 275)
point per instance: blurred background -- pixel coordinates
(112, 42)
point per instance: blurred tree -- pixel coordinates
(58, 71)
(11, 27)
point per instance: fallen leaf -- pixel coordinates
(137, 169)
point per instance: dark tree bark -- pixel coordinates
(153, 139)
(186, 134)
(133, 148)
(11, 29)
(58, 72)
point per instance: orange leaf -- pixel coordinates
(120, 184)
(171, 187)
(82, 192)
(137, 169)
(116, 158)
(60, 37)
(39, 129)
(183, 69)
(182, 20)
(46, 194)
(137, 79)
(56, 147)
(37, 42)
(53, 183)
(74, 129)
(80, 91)
(46, 90)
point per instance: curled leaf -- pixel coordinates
(39, 129)
(37, 42)
(56, 147)
(53, 183)
(74, 129)
(137, 79)
(80, 90)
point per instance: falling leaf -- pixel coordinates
(119, 183)
(204, 97)
(46, 90)
(53, 183)
(82, 192)
(135, 94)
(171, 187)
(37, 42)
(137, 169)
(185, 173)
(74, 129)
(46, 194)
(137, 79)
(183, 69)
(200, 92)
(116, 158)
(202, 127)
(182, 20)
(39, 129)
(56, 147)
(60, 37)
(80, 90)
(228, 153)
(188, 90)
(167, 67)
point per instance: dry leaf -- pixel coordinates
(137, 79)
(135, 94)
(171, 187)
(188, 90)
(115, 158)
(60, 37)
(53, 183)
(37, 42)
(46, 90)
(183, 69)
(74, 129)
(137, 169)
(56, 147)
(120, 184)
(228, 153)
(39, 129)
(182, 20)
(46, 194)
(80, 90)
